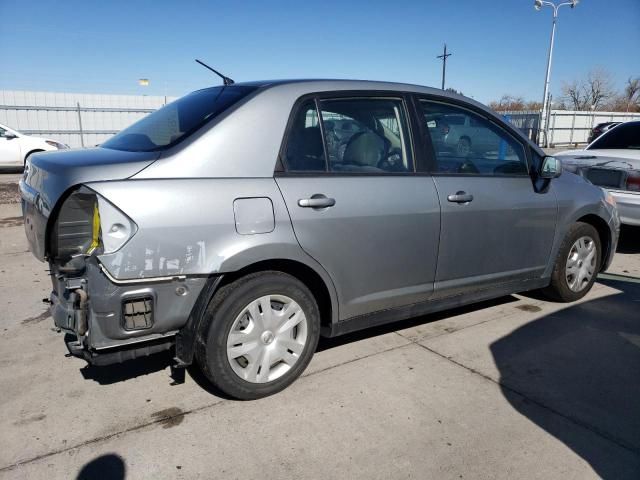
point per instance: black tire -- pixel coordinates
(559, 290)
(224, 308)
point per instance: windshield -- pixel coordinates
(625, 136)
(177, 120)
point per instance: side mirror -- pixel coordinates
(551, 168)
(9, 135)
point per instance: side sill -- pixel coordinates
(415, 310)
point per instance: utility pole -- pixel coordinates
(444, 57)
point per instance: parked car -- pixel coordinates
(612, 162)
(600, 128)
(225, 227)
(16, 147)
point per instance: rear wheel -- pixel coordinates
(259, 334)
(577, 264)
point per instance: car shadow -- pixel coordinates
(107, 467)
(582, 363)
(120, 372)
(629, 241)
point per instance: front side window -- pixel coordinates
(175, 121)
(466, 143)
(625, 137)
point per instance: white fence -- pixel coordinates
(77, 119)
(87, 119)
(566, 127)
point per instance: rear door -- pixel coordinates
(356, 204)
(495, 227)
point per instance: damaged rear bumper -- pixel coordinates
(106, 321)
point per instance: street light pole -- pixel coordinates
(538, 4)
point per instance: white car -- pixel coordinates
(612, 161)
(15, 147)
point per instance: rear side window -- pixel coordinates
(177, 120)
(625, 136)
(467, 143)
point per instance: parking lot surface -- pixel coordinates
(512, 388)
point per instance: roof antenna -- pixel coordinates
(225, 80)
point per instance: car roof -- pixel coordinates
(321, 85)
(345, 84)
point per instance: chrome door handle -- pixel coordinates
(316, 201)
(460, 197)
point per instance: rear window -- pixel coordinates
(624, 136)
(177, 120)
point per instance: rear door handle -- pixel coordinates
(460, 197)
(316, 201)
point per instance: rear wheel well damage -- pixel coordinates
(186, 337)
(309, 277)
(604, 232)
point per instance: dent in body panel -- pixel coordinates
(188, 226)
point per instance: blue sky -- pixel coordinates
(499, 46)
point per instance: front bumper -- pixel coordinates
(93, 309)
(628, 206)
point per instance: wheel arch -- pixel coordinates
(312, 279)
(31, 152)
(604, 233)
(327, 304)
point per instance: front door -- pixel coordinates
(356, 205)
(495, 227)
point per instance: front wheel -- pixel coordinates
(258, 335)
(577, 264)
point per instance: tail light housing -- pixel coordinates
(87, 224)
(633, 181)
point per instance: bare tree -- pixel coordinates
(591, 92)
(574, 95)
(508, 103)
(631, 94)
